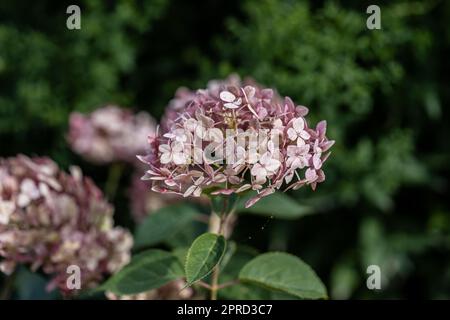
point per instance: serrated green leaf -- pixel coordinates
(148, 270)
(204, 254)
(277, 205)
(283, 272)
(245, 291)
(162, 223)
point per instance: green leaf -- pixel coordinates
(148, 270)
(242, 255)
(187, 235)
(277, 205)
(163, 223)
(245, 291)
(230, 272)
(203, 255)
(283, 272)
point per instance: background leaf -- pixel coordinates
(148, 270)
(278, 205)
(186, 235)
(166, 221)
(204, 254)
(284, 272)
(32, 286)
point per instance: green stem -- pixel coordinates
(112, 182)
(215, 283)
(223, 216)
(216, 272)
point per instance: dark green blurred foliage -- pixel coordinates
(383, 92)
(46, 70)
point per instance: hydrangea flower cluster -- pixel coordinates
(183, 96)
(110, 134)
(50, 220)
(233, 137)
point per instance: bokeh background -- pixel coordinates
(385, 94)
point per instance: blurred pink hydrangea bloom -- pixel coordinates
(200, 144)
(110, 134)
(50, 220)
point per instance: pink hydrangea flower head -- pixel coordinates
(232, 137)
(50, 220)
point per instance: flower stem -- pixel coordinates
(223, 229)
(204, 285)
(214, 287)
(215, 283)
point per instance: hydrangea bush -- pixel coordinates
(235, 143)
(51, 220)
